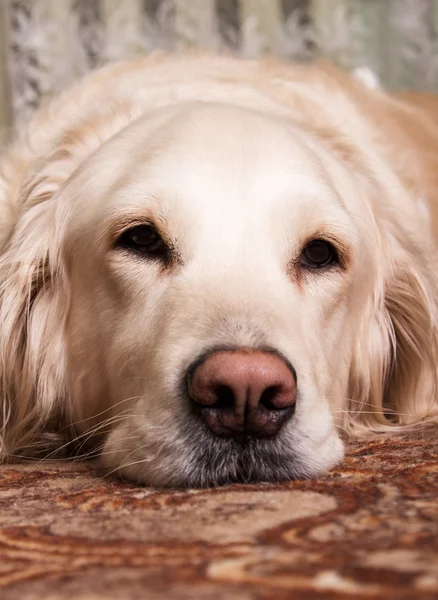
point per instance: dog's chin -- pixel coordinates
(203, 460)
(216, 463)
(221, 461)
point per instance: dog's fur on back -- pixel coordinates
(238, 164)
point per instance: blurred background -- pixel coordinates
(47, 44)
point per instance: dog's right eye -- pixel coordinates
(143, 239)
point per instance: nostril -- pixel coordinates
(225, 399)
(268, 396)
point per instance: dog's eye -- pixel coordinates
(144, 239)
(317, 254)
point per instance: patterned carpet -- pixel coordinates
(367, 530)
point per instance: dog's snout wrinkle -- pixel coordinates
(243, 392)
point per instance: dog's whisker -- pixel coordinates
(125, 466)
(105, 424)
(87, 435)
(110, 408)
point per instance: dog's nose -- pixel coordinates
(243, 392)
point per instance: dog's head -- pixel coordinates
(208, 295)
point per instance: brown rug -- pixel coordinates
(367, 530)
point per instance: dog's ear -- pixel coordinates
(394, 373)
(411, 381)
(33, 305)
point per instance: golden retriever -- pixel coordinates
(213, 269)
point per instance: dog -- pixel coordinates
(213, 270)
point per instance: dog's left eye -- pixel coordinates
(144, 239)
(317, 254)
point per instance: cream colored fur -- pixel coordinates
(240, 164)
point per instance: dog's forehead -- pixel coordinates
(226, 157)
(219, 148)
(205, 165)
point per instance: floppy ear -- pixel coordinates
(394, 372)
(411, 386)
(33, 304)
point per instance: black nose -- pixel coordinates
(243, 392)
